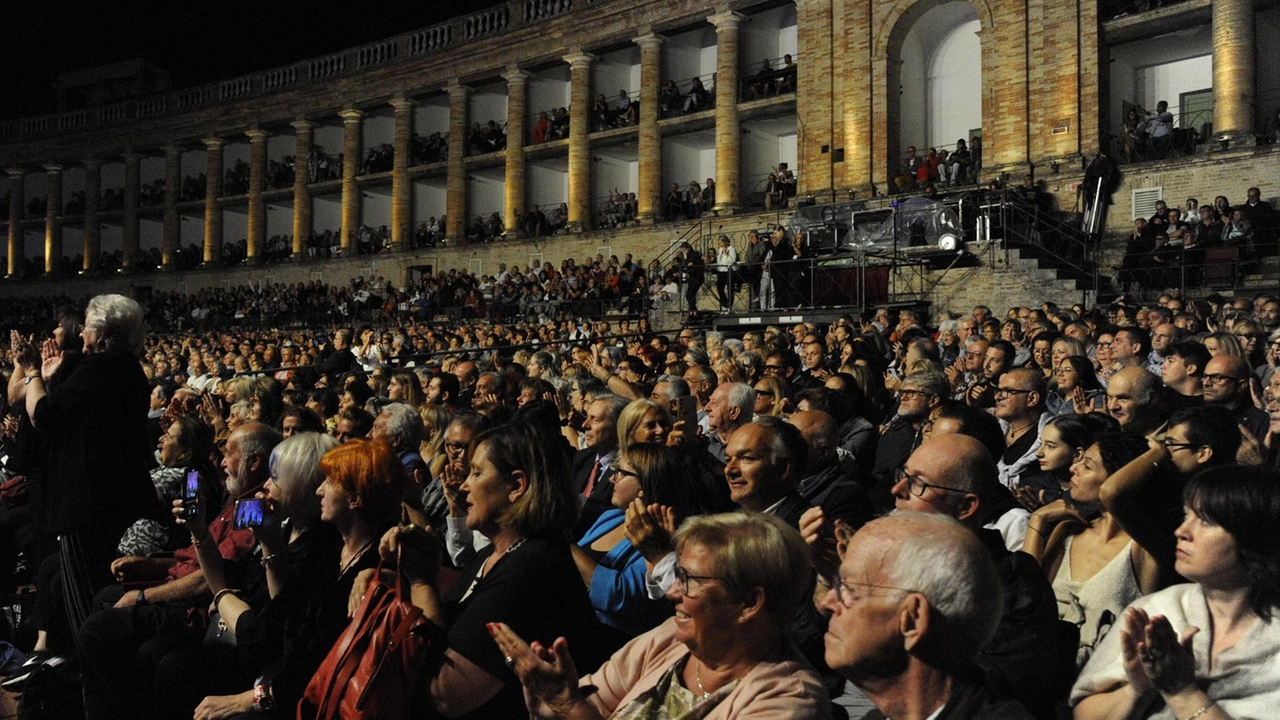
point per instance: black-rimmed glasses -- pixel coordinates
(683, 578)
(916, 486)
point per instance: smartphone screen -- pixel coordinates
(687, 410)
(192, 490)
(249, 513)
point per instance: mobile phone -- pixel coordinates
(249, 514)
(687, 410)
(191, 494)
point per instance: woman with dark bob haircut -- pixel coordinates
(517, 497)
(1205, 649)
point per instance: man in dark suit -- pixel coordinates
(340, 360)
(593, 466)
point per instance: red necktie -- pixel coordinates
(591, 479)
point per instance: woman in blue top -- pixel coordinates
(613, 570)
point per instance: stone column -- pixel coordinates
(92, 230)
(132, 176)
(172, 223)
(212, 211)
(649, 192)
(579, 144)
(257, 206)
(517, 86)
(728, 129)
(350, 164)
(456, 178)
(302, 136)
(52, 223)
(1233, 71)
(17, 194)
(401, 205)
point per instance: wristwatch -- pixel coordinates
(263, 699)
(142, 597)
(27, 380)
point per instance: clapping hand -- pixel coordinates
(548, 675)
(649, 529)
(1155, 657)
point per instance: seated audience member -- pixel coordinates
(145, 621)
(186, 446)
(830, 479)
(1064, 442)
(739, 579)
(399, 426)
(1226, 384)
(515, 497)
(1076, 388)
(1020, 407)
(303, 554)
(1146, 494)
(1032, 655)
(612, 569)
(1133, 399)
(1095, 566)
(920, 394)
(1183, 369)
(1205, 649)
(916, 598)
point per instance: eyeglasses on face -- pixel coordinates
(908, 393)
(1005, 392)
(848, 592)
(1222, 379)
(455, 447)
(773, 368)
(683, 578)
(916, 485)
(1171, 446)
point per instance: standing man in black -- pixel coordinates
(692, 265)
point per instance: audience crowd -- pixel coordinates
(1061, 510)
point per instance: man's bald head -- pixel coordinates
(1226, 380)
(820, 434)
(952, 472)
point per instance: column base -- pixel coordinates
(724, 209)
(1230, 140)
(646, 218)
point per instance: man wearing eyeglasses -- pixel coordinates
(920, 394)
(1033, 655)
(1020, 408)
(1226, 383)
(902, 632)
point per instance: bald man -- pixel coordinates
(830, 474)
(1226, 384)
(1032, 657)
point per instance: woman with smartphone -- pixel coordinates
(318, 527)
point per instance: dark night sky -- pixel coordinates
(196, 41)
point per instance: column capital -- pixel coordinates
(515, 75)
(456, 88)
(726, 20)
(401, 104)
(303, 125)
(52, 168)
(579, 59)
(649, 39)
(255, 135)
(15, 172)
(213, 143)
(351, 116)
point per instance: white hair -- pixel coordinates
(404, 424)
(116, 321)
(941, 559)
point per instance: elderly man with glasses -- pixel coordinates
(903, 632)
(920, 394)
(1032, 657)
(1226, 383)
(1020, 408)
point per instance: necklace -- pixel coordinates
(697, 676)
(354, 558)
(1015, 432)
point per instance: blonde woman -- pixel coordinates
(771, 396)
(435, 419)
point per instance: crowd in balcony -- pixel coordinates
(689, 203)
(552, 125)
(940, 167)
(433, 148)
(774, 77)
(378, 159)
(1170, 248)
(687, 97)
(539, 223)
(487, 138)
(620, 111)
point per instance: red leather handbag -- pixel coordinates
(376, 665)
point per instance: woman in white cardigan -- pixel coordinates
(1205, 650)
